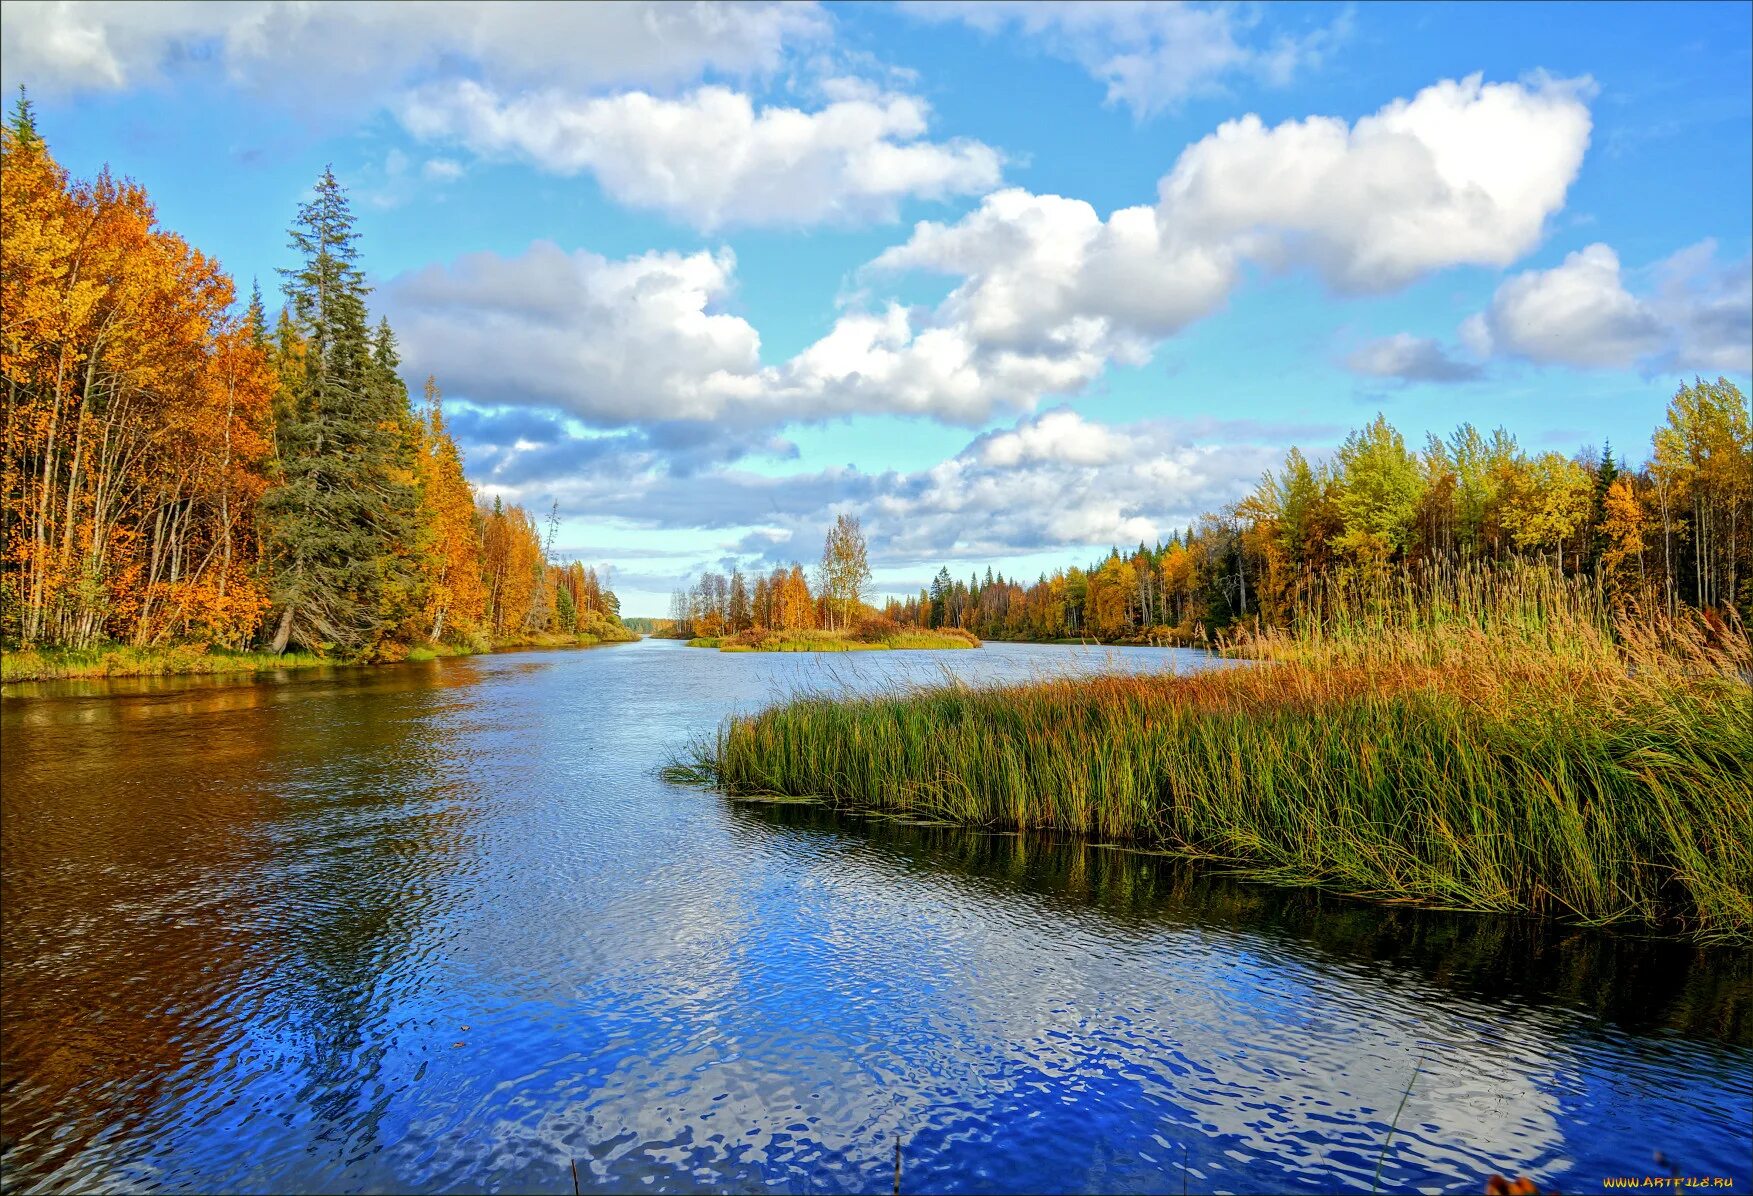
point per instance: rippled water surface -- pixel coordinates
(441, 927)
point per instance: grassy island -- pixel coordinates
(1499, 742)
(869, 634)
(195, 659)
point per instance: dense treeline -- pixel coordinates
(177, 473)
(1677, 531)
(782, 600)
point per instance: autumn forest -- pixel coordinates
(178, 473)
(1676, 531)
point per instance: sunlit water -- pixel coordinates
(442, 927)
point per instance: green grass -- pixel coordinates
(113, 660)
(557, 639)
(1496, 744)
(118, 660)
(898, 639)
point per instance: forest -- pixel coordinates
(782, 601)
(780, 612)
(188, 486)
(1677, 531)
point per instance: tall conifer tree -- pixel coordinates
(338, 522)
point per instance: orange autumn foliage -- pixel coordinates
(136, 434)
(151, 439)
(456, 599)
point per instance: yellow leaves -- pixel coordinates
(1623, 524)
(511, 567)
(142, 423)
(1546, 501)
(451, 530)
(797, 606)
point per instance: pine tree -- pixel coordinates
(740, 619)
(255, 319)
(566, 611)
(938, 596)
(339, 520)
(406, 562)
(1605, 475)
(24, 122)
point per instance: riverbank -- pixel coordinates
(120, 660)
(888, 638)
(1159, 637)
(1502, 747)
(559, 640)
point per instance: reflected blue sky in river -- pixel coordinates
(248, 923)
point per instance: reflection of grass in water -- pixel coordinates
(1638, 984)
(1493, 746)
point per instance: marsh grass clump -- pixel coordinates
(1500, 742)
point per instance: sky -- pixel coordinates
(1011, 282)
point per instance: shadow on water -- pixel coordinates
(1636, 985)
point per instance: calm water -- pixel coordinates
(440, 927)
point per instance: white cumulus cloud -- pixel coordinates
(1421, 185)
(1046, 273)
(711, 158)
(1052, 480)
(371, 47)
(1465, 172)
(1047, 293)
(1698, 316)
(615, 342)
(646, 339)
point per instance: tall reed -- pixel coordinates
(1493, 741)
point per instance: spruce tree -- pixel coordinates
(1605, 474)
(405, 563)
(339, 518)
(255, 317)
(24, 121)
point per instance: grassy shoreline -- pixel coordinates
(896, 639)
(184, 660)
(1499, 747)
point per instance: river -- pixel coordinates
(441, 927)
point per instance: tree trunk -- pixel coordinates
(284, 633)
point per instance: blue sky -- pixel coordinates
(1012, 282)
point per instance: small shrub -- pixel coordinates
(874, 629)
(754, 638)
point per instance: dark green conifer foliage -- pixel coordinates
(1605, 475)
(405, 565)
(24, 121)
(340, 520)
(256, 317)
